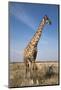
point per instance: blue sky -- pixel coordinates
(24, 19)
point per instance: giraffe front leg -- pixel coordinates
(25, 64)
(27, 68)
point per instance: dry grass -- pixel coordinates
(45, 74)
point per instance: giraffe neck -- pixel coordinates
(36, 37)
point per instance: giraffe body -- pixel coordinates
(30, 52)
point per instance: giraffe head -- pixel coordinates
(47, 20)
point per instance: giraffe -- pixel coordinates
(30, 52)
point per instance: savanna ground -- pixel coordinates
(47, 73)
